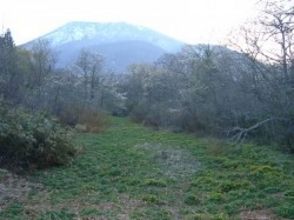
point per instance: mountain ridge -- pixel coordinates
(136, 42)
(108, 32)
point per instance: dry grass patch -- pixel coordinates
(259, 215)
(173, 161)
(14, 188)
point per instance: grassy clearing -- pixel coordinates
(132, 172)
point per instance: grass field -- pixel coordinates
(132, 172)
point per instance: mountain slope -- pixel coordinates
(101, 33)
(121, 44)
(117, 55)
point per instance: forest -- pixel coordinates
(237, 96)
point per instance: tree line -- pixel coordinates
(246, 91)
(238, 92)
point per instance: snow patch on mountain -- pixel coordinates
(109, 33)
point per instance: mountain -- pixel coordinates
(120, 44)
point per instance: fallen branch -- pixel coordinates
(240, 134)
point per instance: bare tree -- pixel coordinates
(90, 65)
(42, 66)
(42, 62)
(269, 44)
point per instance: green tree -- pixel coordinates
(8, 67)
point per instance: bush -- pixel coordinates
(32, 140)
(83, 119)
(92, 121)
(69, 115)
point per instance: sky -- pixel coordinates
(191, 21)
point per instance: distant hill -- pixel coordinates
(120, 44)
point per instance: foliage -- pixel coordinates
(209, 90)
(32, 140)
(119, 174)
(92, 120)
(241, 93)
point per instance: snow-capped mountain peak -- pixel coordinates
(121, 44)
(109, 33)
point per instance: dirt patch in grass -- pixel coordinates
(128, 205)
(124, 207)
(36, 202)
(259, 215)
(173, 161)
(121, 209)
(14, 188)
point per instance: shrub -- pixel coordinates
(92, 121)
(69, 115)
(32, 140)
(83, 119)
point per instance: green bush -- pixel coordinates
(32, 140)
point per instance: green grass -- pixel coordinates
(133, 172)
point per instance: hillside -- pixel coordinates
(132, 172)
(120, 43)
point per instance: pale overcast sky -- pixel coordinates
(192, 21)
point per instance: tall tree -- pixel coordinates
(9, 79)
(90, 67)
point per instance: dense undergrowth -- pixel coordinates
(32, 140)
(132, 172)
